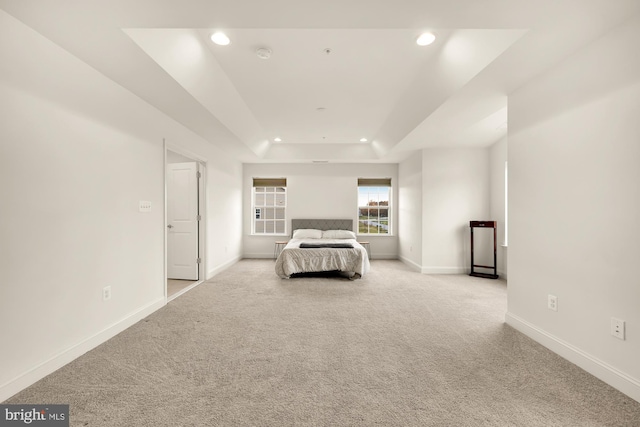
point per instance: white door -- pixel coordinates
(182, 221)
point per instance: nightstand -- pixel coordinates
(279, 245)
(367, 246)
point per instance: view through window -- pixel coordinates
(374, 206)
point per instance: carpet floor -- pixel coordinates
(395, 348)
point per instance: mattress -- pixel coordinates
(321, 257)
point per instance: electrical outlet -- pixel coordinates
(617, 328)
(144, 206)
(106, 293)
(552, 302)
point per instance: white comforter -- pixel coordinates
(294, 259)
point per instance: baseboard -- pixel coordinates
(270, 256)
(434, 270)
(384, 256)
(445, 270)
(56, 362)
(599, 369)
(219, 269)
(414, 266)
(257, 256)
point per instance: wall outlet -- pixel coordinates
(144, 206)
(552, 302)
(617, 328)
(106, 293)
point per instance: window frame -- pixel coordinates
(375, 183)
(259, 213)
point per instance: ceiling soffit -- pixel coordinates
(322, 87)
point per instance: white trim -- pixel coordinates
(414, 266)
(378, 255)
(56, 362)
(183, 290)
(224, 266)
(257, 255)
(203, 201)
(445, 270)
(165, 241)
(596, 367)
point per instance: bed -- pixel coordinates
(322, 245)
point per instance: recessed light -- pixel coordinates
(277, 139)
(363, 139)
(426, 39)
(220, 38)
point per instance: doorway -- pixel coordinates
(184, 232)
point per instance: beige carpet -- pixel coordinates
(396, 348)
(175, 286)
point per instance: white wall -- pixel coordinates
(574, 204)
(455, 190)
(410, 211)
(498, 157)
(78, 153)
(320, 191)
(173, 157)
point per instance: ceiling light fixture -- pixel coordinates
(220, 38)
(277, 139)
(263, 52)
(426, 39)
(363, 139)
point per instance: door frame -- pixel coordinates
(202, 211)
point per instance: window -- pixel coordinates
(374, 206)
(506, 203)
(269, 204)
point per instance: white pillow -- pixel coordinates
(307, 233)
(338, 234)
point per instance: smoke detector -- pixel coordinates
(263, 52)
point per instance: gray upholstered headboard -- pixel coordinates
(322, 224)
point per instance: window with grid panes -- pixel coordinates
(374, 206)
(269, 204)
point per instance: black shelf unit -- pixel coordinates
(485, 224)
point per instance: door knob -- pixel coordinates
(169, 226)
